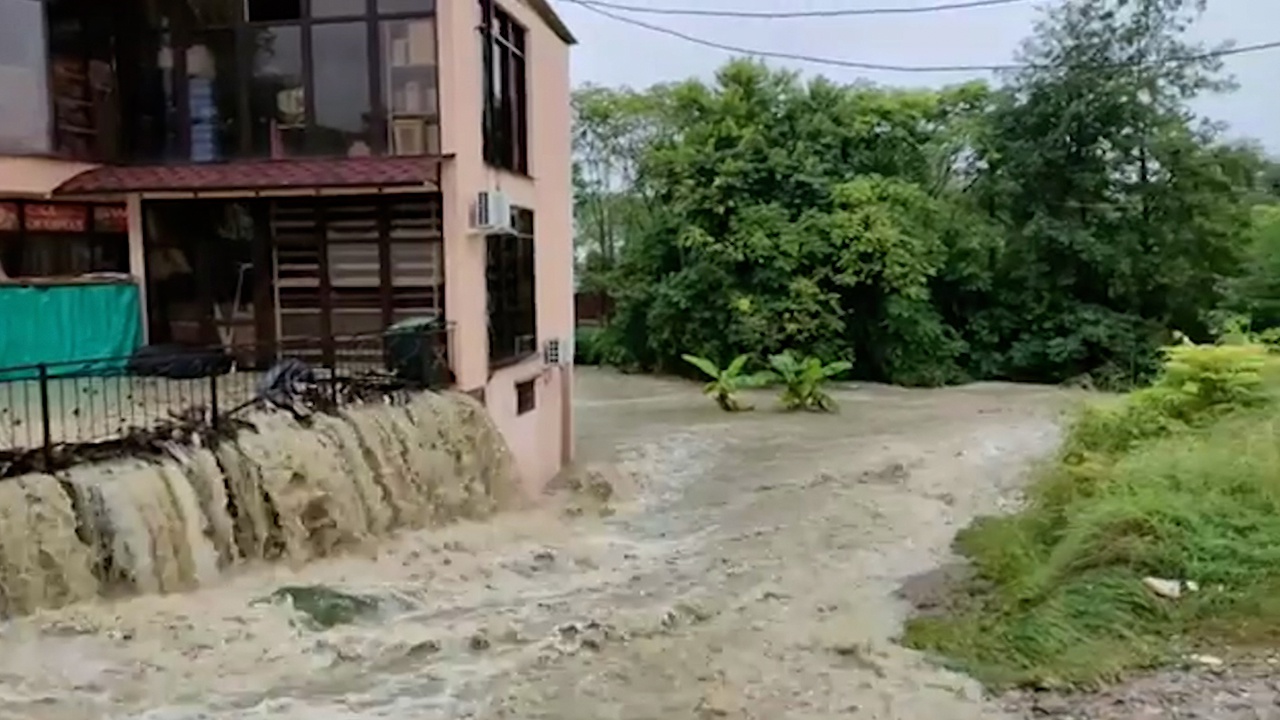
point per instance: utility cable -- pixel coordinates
(792, 14)
(860, 65)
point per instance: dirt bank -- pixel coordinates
(750, 570)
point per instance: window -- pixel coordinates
(214, 80)
(509, 276)
(337, 8)
(409, 86)
(340, 64)
(506, 131)
(212, 95)
(278, 98)
(60, 239)
(82, 82)
(526, 396)
(271, 11)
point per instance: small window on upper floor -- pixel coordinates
(526, 397)
(506, 107)
(273, 10)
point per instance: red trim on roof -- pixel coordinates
(257, 175)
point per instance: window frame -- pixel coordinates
(95, 239)
(373, 20)
(240, 143)
(505, 43)
(511, 292)
(526, 396)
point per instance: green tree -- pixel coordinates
(1123, 216)
(1060, 225)
(612, 130)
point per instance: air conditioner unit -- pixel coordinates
(493, 212)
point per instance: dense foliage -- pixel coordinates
(1060, 225)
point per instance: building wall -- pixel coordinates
(541, 438)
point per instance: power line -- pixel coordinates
(860, 65)
(792, 14)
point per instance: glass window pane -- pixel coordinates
(406, 6)
(24, 100)
(410, 86)
(213, 96)
(278, 98)
(340, 62)
(209, 14)
(338, 8)
(274, 10)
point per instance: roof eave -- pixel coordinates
(552, 19)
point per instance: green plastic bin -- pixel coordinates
(411, 350)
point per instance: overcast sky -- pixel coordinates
(614, 53)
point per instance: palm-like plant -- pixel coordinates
(725, 384)
(803, 381)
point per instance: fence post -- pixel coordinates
(213, 400)
(45, 422)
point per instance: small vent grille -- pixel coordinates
(552, 352)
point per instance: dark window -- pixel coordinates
(506, 110)
(54, 255)
(337, 8)
(271, 11)
(511, 291)
(526, 396)
(59, 240)
(340, 66)
(85, 97)
(278, 98)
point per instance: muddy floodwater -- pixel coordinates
(745, 567)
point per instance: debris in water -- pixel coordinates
(479, 641)
(287, 385)
(325, 607)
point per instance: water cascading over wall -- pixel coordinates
(280, 490)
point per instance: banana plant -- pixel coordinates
(803, 380)
(725, 384)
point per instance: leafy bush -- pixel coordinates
(725, 384)
(803, 380)
(587, 348)
(1176, 481)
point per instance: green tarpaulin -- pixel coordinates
(75, 329)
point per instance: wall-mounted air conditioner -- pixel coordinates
(493, 212)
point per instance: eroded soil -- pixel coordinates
(745, 566)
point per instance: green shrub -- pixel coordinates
(803, 380)
(587, 346)
(725, 384)
(1180, 481)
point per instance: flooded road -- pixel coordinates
(745, 568)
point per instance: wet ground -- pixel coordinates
(748, 566)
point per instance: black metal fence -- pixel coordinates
(49, 410)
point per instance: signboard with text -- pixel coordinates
(110, 218)
(56, 218)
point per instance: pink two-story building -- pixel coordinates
(276, 171)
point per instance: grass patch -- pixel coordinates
(1181, 481)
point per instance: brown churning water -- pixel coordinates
(279, 491)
